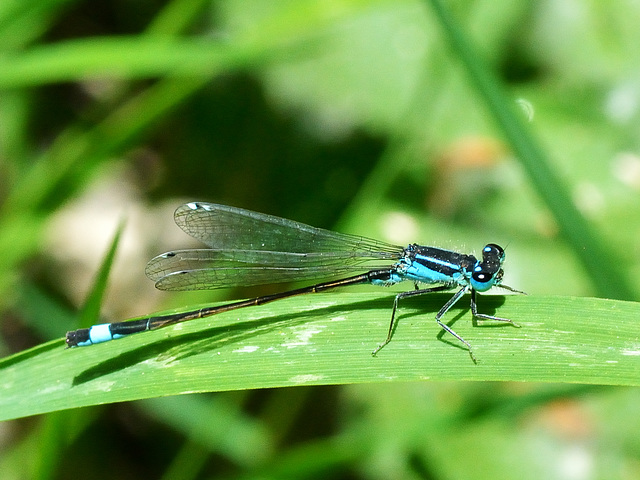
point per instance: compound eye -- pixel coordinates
(492, 250)
(481, 276)
(483, 279)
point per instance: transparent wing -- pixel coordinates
(230, 228)
(209, 269)
(249, 248)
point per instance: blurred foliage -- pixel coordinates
(349, 114)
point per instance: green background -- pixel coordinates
(451, 124)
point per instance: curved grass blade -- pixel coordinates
(327, 339)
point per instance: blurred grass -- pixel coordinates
(604, 267)
(379, 77)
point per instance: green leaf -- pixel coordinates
(328, 339)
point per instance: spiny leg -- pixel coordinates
(482, 316)
(446, 327)
(410, 293)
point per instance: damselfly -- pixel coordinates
(248, 248)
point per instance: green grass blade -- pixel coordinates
(127, 57)
(328, 339)
(599, 262)
(61, 427)
(91, 309)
